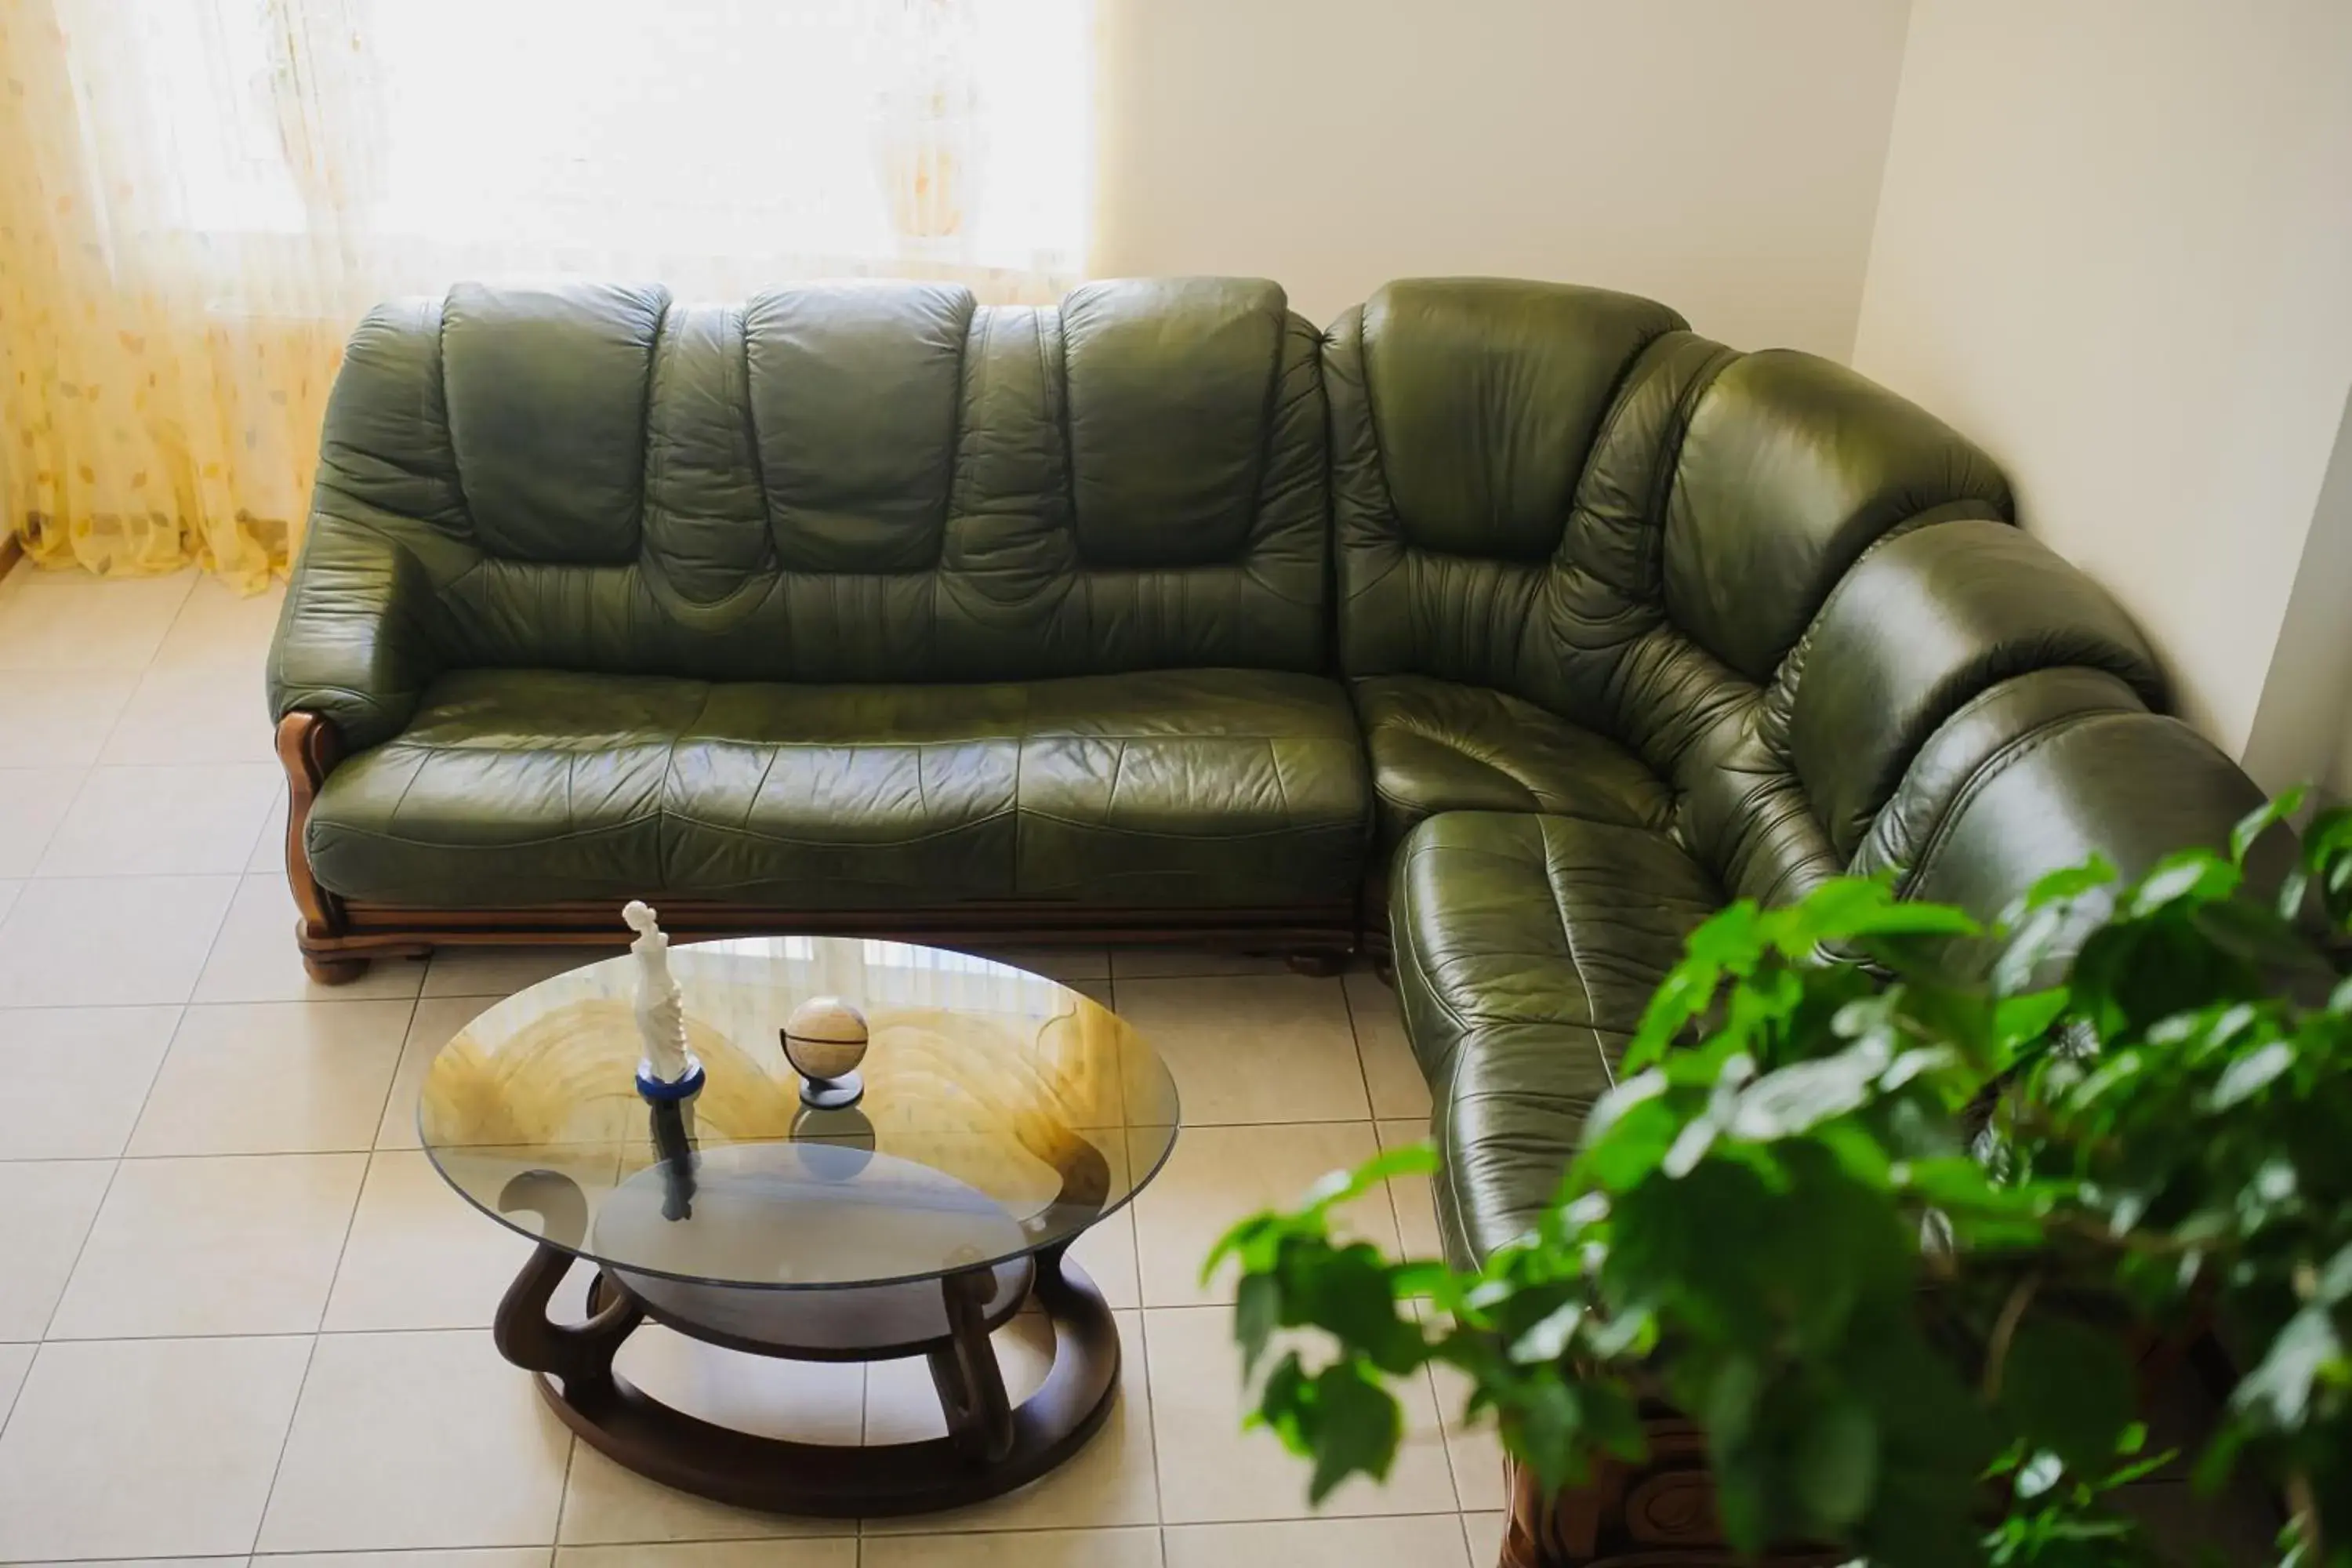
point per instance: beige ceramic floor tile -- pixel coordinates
(191, 1428)
(1130, 1548)
(437, 1020)
(195, 713)
(607, 1504)
(1483, 1534)
(15, 1361)
(409, 1441)
(838, 1552)
(269, 845)
(76, 1077)
(484, 1557)
(1389, 1070)
(218, 625)
(72, 621)
(492, 972)
(181, 820)
(231, 1245)
(1252, 1048)
(809, 1402)
(1166, 963)
(1112, 1480)
(1214, 1471)
(46, 1210)
(1062, 963)
(1107, 1250)
(33, 801)
(104, 941)
(255, 958)
(62, 718)
(1416, 1206)
(1416, 1540)
(1220, 1175)
(141, 1562)
(274, 1078)
(9, 888)
(420, 1257)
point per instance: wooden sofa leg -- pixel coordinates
(1320, 963)
(325, 971)
(308, 748)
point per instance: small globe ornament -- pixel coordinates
(825, 1039)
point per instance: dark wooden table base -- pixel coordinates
(992, 1446)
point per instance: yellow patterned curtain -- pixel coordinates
(199, 198)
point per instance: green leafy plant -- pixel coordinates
(1892, 1204)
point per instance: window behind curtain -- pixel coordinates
(814, 136)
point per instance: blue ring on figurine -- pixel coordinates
(668, 1091)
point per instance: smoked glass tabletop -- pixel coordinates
(1002, 1114)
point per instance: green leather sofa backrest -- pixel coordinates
(859, 482)
(1798, 597)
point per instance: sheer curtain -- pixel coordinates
(199, 198)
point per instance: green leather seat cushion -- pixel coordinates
(1179, 789)
(1438, 745)
(1526, 947)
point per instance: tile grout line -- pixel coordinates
(1354, 1027)
(367, 1172)
(41, 850)
(1152, 1427)
(563, 1494)
(350, 1223)
(211, 949)
(1142, 1313)
(50, 1322)
(286, 1441)
(147, 666)
(17, 1393)
(67, 1284)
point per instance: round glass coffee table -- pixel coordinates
(1002, 1114)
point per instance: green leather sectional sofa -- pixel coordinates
(1514, 620)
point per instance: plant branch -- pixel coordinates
(2004, 1330)
(2303, 1513)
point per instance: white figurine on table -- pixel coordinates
(661, 1007)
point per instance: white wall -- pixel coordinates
(1721, 155)
(2115, 246)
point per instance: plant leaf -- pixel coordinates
(2278, 1391)
(1257, 1311)
(2243, 837)
(2250, 1074)
(1836, 1465)
(2197, 876)
(2068, 1388)
(1798, 1098)
(1344, 1187)
(1357, 1428)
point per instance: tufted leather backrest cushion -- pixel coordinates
(546, 408)
(1791, 466)
(1772, 579)
(1167, 389)
(846, 482)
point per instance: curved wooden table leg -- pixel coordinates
(992, 1445)
(971, 1383)
(579, 1354)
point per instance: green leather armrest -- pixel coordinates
(353, 642)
